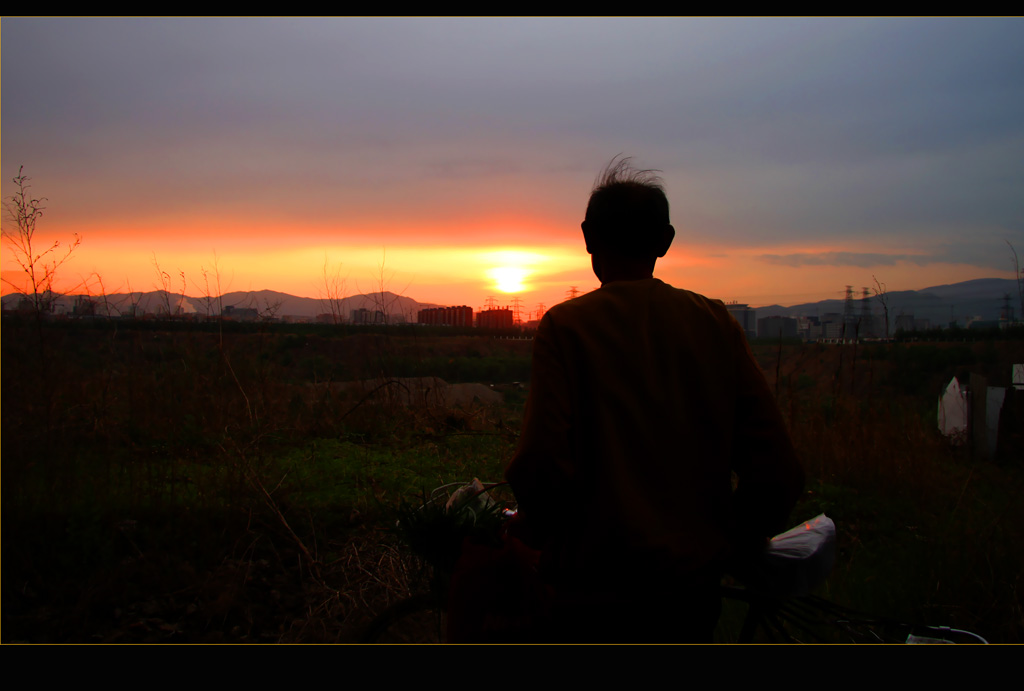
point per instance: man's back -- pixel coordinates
(644, 398)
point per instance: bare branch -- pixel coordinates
(164, 285)
(333, 292)
(883, 298)
(23, 211)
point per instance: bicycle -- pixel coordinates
(775, 591)
(435, 531)
(781, 608)
(812, 619)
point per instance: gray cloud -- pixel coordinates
(861, 259)
(992, 255)
(766, 130)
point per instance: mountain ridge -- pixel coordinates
(977, 298)
(267, 303)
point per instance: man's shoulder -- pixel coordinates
(636, 291)
(691, 296)
(633, 297)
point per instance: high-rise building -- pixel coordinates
(364, 316)
(745, 316)
(501, 318)
(446, 316)
(776, 327)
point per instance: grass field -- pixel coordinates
(194, 484)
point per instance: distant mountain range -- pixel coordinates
(981, 298)
(267, 303)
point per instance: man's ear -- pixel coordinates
(668, 234)
(587, 230)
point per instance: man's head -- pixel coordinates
(627, 215)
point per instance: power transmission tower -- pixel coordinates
(573, 292)
(1006, 314)
(866, 327)
(516, 303)
(849, 320)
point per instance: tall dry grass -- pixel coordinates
(928, 532)
(181, 482)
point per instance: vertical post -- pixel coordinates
(979, 431)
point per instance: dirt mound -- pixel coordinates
(428, 392)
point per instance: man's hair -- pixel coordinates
(627, 210)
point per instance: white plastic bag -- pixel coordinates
(470, 498)
(798, 560)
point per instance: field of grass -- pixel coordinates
(193, 484)
(927, 532)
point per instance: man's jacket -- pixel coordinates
(644, 401)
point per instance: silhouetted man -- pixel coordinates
(644, 399)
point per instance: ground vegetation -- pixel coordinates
(188, 482)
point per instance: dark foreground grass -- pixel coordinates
(218, 487)
(928, 532)
(300, 551)
(204, 486)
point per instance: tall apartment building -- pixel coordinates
(776, 327)
(495, 319)
(745, 316)
(364, 316)
(446, 316)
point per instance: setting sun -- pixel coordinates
(509, 279)
(512, 268)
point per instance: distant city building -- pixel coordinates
(84, 307)
(239, 314)
(776, 327)
(364, 316)
(832, 325)
(905, 322)
(446, 316)
(745, 316)
(808, 328)
(874, 327)
(495, 319)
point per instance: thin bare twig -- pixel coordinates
(272, 505)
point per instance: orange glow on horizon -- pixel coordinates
(461, 264)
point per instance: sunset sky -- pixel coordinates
(799, 155)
